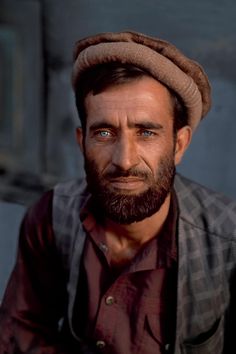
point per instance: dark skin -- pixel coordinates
(131, 125)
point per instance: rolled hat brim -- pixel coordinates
(159, 58)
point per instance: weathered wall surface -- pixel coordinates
(44, 139)
(10, 218)
(204, 30)
(37, 112)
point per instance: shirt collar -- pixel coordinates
(165, 243)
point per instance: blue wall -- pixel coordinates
(204, 29)
(10, 218)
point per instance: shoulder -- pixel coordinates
(206, 209)
(41, 210)
(40, 213)
(69, 199)
(36, 227)
(71, 190)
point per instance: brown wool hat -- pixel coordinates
(160, 58)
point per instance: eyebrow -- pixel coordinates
(146, 125)
(100, 125)
(143, 125)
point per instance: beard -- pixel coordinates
(120, 206)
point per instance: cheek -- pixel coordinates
(100, 156)
(97, 152)
(152, 154)
(159, 157)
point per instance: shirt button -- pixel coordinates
(110, 300)
(103, 247)
(167, 347)
(100, 344)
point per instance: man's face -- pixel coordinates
(130, 149)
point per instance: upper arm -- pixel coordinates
(35, 297)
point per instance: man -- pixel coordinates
(136, 259)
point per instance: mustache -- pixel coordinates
(132, 172)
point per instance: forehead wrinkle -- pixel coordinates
(138, 125)
(148, 101)
(118, 102)
(129, 107)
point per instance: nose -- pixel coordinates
(125, 154)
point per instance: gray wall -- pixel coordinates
(204, 30)
(10, 218)
(45, 117)
(41, 133)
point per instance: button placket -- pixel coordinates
(167, 347)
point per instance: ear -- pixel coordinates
(80, 138)
(183, 139)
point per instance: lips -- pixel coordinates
(127, 183)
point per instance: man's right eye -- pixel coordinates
(104, 133)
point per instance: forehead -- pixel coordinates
(142, 98)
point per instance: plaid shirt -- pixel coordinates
(40, 291)
(130, 308)
(206, 234)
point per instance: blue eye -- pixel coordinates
(147, 133)
(104, 133)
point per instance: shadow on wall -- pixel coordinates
(37, 109)
(211, 156)
(10, 219)
(39, 120)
